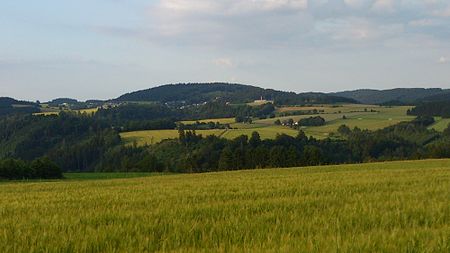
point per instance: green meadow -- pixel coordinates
(441, 124)
(369, 117)
(379, 207)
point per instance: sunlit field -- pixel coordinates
(55, 111)
(441, 124)
(150, 137)
(369, 117)
(382, 207)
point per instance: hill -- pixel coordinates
(380, 207)
(442, 97)
(193, 93)
(396, 96)
(12, 106)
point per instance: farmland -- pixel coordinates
(380, 207)
(363, 116)
(47, 112)
(441, 124)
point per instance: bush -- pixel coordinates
(312, 121)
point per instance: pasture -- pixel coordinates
(55, 111)
(221, 121)
(369, 117)
(441, 124)
(380, 207)
(149, 137)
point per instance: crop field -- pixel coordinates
(380, 207)
(370, 117)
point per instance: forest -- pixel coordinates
(194, 93)
(437, 109)
(77, 142)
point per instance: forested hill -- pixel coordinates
(13, 106)
(399, 95)
(234, 93)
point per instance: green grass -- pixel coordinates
(266, 132)
(150, 137)
(441, 124)
(356, 117)
(55, 111)
(382, 207)
(155, 136)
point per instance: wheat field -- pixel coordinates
(379, 207)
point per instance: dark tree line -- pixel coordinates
(42, 168)
(194, 153)
(312, 121)
(203, 126)
(440, 108)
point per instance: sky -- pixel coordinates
(100, 49)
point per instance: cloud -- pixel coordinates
(383, 5)
(286, 24)
(357, 30)
(223, 62)
(354, 3)
(423, 22)
(229, 7)
(445, 13)
(443, 60)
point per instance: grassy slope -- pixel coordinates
(154, 136)
(356, 116)
(441, 124)
(90, 111)
(384, 207)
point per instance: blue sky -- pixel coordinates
(103, 48)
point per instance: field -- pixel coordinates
(150, 137)
(381, 207)
(441, 124)
(47, 112)
(370, 117)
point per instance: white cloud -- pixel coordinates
(223, 62)
(357, 30)
(229, 7)
(263, 24)
(445, 13)
(443, 60)
(423, 22)
(355, 3)
(383, 5)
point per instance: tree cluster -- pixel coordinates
(42, 168)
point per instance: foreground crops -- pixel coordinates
(391, 207)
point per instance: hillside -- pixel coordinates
(12, 106)
(399, 95)
(193, 93)
(380, 207)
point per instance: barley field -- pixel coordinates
(379, 207)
